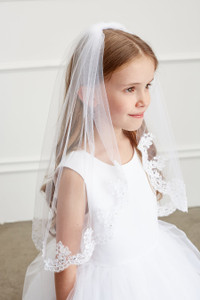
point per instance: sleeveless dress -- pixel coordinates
(148, 259)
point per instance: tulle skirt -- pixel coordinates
(170, 270)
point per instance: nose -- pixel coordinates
(143, 98)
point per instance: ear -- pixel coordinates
(81, 91)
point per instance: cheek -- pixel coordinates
(118, 105)
(118, 108)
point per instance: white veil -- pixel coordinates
(64, 217)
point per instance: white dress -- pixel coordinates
(148, 259)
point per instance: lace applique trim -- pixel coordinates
(36, 233)
(166, 209)
(63, 254)
(174, 188)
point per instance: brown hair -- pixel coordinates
(119, 48)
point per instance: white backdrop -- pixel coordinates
(34, 35)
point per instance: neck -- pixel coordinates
(119, 136)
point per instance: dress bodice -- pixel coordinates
(136, 226)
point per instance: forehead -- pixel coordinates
(139, 70)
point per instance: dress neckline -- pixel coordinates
(100, 162)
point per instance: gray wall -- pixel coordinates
(34, 35)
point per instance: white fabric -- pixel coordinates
(147, 259)
(84, 122)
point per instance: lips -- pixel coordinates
(137, 115)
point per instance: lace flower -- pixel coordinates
(174, 188)
(63, 254)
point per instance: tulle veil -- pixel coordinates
(79, 120)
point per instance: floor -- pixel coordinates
(17, 249)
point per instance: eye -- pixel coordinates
(130, 90)
(148, 85)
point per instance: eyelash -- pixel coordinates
(149, 84)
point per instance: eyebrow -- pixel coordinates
(131, 83)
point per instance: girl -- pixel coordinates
(97, 229)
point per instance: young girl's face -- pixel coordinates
(128, 93)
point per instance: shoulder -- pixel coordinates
(75, 162)
(72, 187)
(72, 183)
(71, 176)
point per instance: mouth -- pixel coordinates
(137, 115)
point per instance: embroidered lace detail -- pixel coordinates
(166, 209)
(107, 218)
(152, 166)
(63, 254)
(36, 233)
(174, 188)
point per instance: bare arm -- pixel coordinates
(69, 224)
(64, 282)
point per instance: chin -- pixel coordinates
(133, 128)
